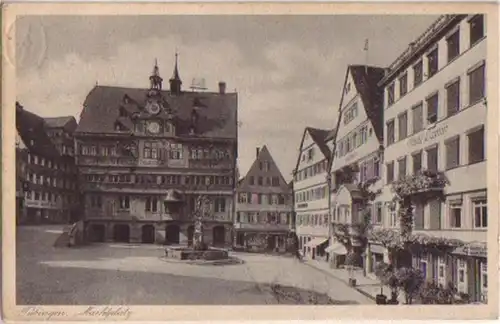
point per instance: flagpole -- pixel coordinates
(366, 53)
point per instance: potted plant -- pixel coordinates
(382, 271)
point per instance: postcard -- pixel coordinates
(215, 161)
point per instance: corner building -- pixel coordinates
(47, 174)
(435, 118)
(144, 156)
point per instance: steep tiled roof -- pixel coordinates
(264, 155)
(319, 136)
(32, 130)
(217, 113)
(58, 122)
(365, 79)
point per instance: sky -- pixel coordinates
(288, 70)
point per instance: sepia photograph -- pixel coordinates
(232, 160)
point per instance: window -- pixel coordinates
(476, 25)
(390, 132)
(417, 73)
(476, 146)
(432, 109)
(147, 150)
(124, 202)
(393, 221)
(220, 205)
(276, 181)
(402, 168)
(261, 166)
(403, 126)
(378, 213)
(390, 172)
(476, 84)
(432, 159)
(403, 85)
(455, 215)
(310, 154)
(152, 205)
(480, 213)
(453, 98)
(176, 151)
(417, 162)
(259, 181)
(355, 140)
(418, 118)
(453, 153)
(390, 94)
(351, 113)
(453, 43)
(432, 62)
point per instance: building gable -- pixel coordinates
(361, 126)
(265, 167)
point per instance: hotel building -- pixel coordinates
(263, 206)
(310, 187)
(435, 112)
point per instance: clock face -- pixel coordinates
(153, 108)
(154, 127)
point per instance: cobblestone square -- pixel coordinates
(136, 274)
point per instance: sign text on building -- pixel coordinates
(428, 135)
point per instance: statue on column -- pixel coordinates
(201, 211)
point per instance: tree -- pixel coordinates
(410, 281)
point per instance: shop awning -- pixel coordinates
(336, 248)
(316, 241)
(474, 249)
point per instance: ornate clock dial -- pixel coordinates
(154, 127)
(153, 108)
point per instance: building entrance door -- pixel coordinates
(148, 234)
(121, 233)
(97, 233)
(219, 235)
(172, 234)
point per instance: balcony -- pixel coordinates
(462, 235)
(422, 184)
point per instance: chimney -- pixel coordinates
(257, 150)
(222, 87)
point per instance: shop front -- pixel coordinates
(316, 248)
(337, 252)
(375, 254)
(472, 271)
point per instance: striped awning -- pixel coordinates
(316, 241)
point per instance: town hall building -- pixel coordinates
(145, 155)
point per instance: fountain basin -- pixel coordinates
(188, 253)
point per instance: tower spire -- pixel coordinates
(155, 79)
(175, 81)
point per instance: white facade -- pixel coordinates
(311, 198)
(439, 123)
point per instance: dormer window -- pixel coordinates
(126, 99)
